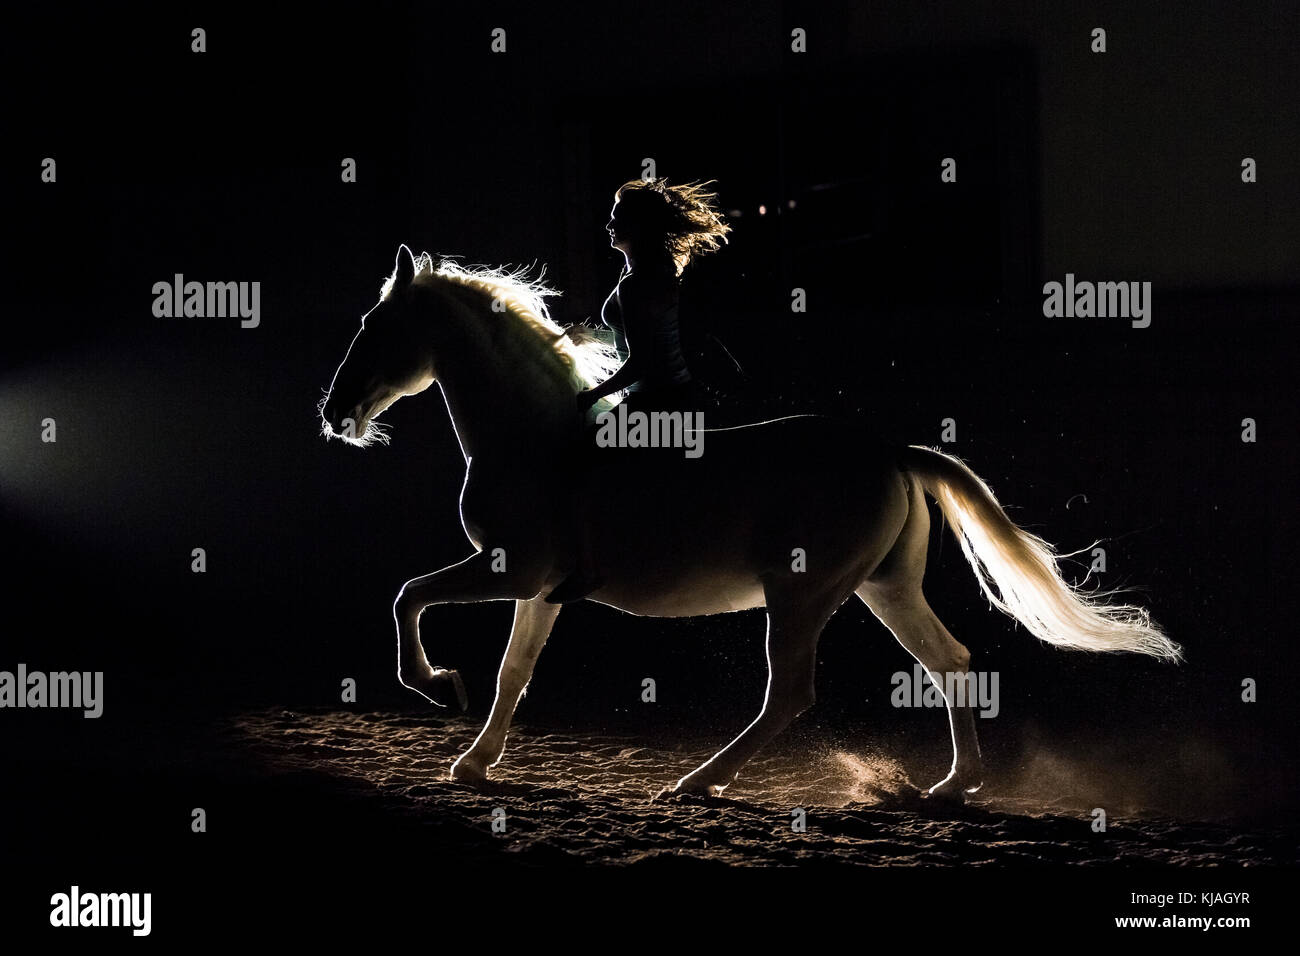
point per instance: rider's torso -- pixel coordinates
(665, 364)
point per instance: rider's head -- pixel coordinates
(650, 218)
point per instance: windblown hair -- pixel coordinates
(685, 216)
(588, 357)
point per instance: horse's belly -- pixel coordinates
(700, 596)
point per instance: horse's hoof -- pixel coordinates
(463, 771)
(438, 685)
(690, 789)
(951, 791)
(673, 795)
(947, 796)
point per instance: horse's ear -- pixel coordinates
(404, 269)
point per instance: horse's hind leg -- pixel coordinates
(795, 618)
(917, 628)
(893, 592)
(533, 622)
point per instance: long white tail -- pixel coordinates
(1018, 571)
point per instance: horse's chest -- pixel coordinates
(496, 504)
(477, 510)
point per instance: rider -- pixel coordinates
(659, 229)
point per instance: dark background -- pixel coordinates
(924, 303)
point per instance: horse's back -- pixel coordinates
(800, 453)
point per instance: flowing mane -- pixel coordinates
(589, 358)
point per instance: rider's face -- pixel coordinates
(617, 228)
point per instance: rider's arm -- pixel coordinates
(628, 373)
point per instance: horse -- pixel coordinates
(795, 515)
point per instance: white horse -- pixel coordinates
(795, 515)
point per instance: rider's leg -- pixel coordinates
(585, 577)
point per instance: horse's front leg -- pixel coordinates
(533, 622)
(473, 579)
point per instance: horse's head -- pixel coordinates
(388, 359)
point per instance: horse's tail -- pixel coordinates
(1018, 570)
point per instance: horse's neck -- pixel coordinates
(501, 399)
